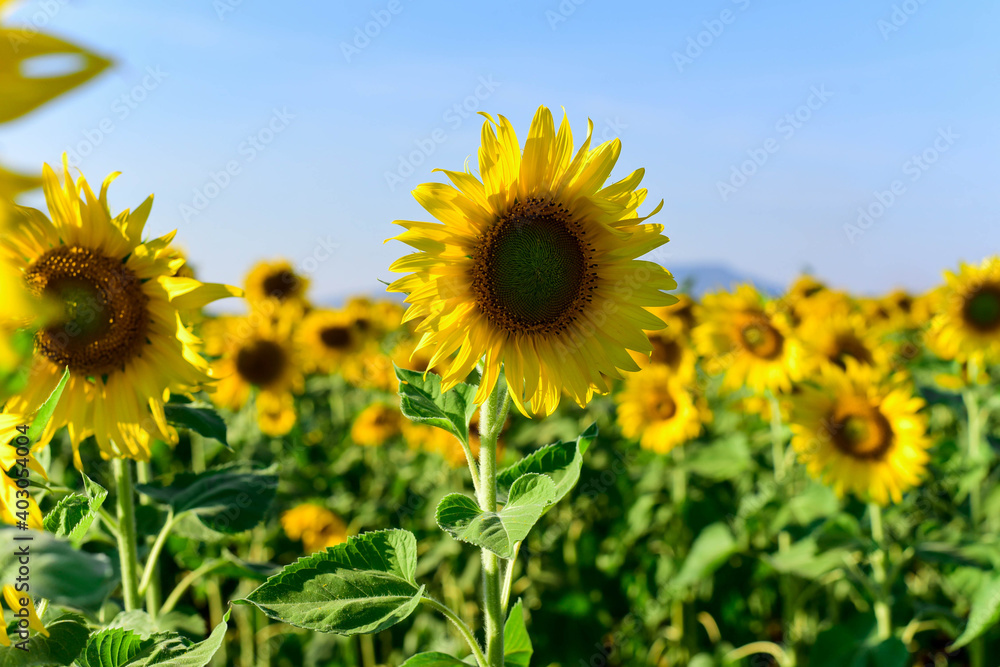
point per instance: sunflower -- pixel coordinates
(120, 331)
(275, 284)
(749, 341)
(967, 327)
(316, 526)
(375, 318)
(861, 432)
(328, 338)
(840, 335)
(671, 345)
(423, 438)
(376, 424)
(655, 408)
(257, 354)
(535, 267)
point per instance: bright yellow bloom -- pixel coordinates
(375, 318)
(376, 424)
(861, 433)
(749, 341)
(834, 337)
(271, 285)
(329, 338)
(120, 329)
(535, 267)
(657, 409)
(257, 354)
(672, 344)
(316, 526)
(967, 327)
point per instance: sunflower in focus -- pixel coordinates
(861, 433)
(535, 267)
(316, 526)
(257, 355)
(967, 327)
(329, 338)
(376, 424)
(275, 285)
(120, 329)
(655, 408)
(749, 341)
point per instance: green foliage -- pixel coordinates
(985, 613)
(422, 401)
(73, 514)
(201, 419)
(117, 647)
(67, 637)
(517, 648)
(562, 461)
(501, 531)
(365, 585)
(224, 499)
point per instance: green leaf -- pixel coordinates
(224, 499)
(203, 420)
(365, 585)
(517, 648)
(805, 559)
(890, 653)
(73, 515)
(434, 659)
(722, 460)
(67, 637)
(422, 401)
(44, 413)
(118, 647)
(713, 547)
(498, 532)
(561, 461)
(985, 613)
(59, 572)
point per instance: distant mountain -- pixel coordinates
(698, 279)
(693, 279)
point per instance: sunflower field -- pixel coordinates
(534, 448)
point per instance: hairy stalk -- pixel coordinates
(787, 583)
(491, 418)
(460, 624)
(128, 552)
(153, 587)
(883, 614)
(974, 453)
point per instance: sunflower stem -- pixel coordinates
(491, 419)
(128, 552)
(777, 442)
(883, 614)
(154, 591)
(974, 453)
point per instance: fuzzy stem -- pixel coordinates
(460, 624)
(128, 552)
(883, 614)
(153, 587)
(491, 419)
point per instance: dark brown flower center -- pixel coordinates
(532, 271)
(662, 406)
(282, 285)
(105, 316)
(760, 338)
(848, 345)
(336, 337)
(981, 309)
(666, 351)
(861, 432)
(261, 362)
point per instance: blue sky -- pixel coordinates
(766, 126)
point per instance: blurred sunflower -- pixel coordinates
(375, 318)
(834, 337)
(535, 267)
(967, 327)
(749, 341)
(423, 438)
(655, 408)
(316, 526)
(799, 298)
(276, 284)
(376, 424)
(671, 346)
(119, 329)
(328, 338)
(861, 433)
(257, 354)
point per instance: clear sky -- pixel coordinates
(765, 125)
